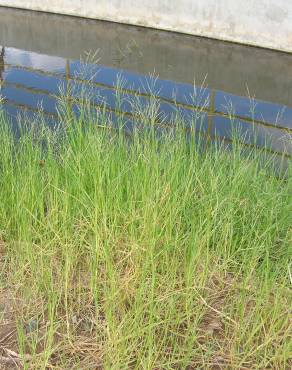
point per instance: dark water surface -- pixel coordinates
(41, 52)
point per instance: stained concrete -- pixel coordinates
(266, 23)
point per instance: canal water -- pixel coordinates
(41, 52)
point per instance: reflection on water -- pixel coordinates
(30, 80)
(2, 63)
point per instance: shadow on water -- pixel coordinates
(34, 64)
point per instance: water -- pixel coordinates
(39, 52)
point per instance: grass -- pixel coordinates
(141, 251)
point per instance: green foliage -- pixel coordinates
(143, 250)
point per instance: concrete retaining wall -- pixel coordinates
(265, 23)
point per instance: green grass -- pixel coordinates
(141, 252)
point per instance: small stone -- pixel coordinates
(31, 326)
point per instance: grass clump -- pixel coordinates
(141, 251)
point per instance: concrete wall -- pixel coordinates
(266, 23)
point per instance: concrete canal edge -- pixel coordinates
(263, 23)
